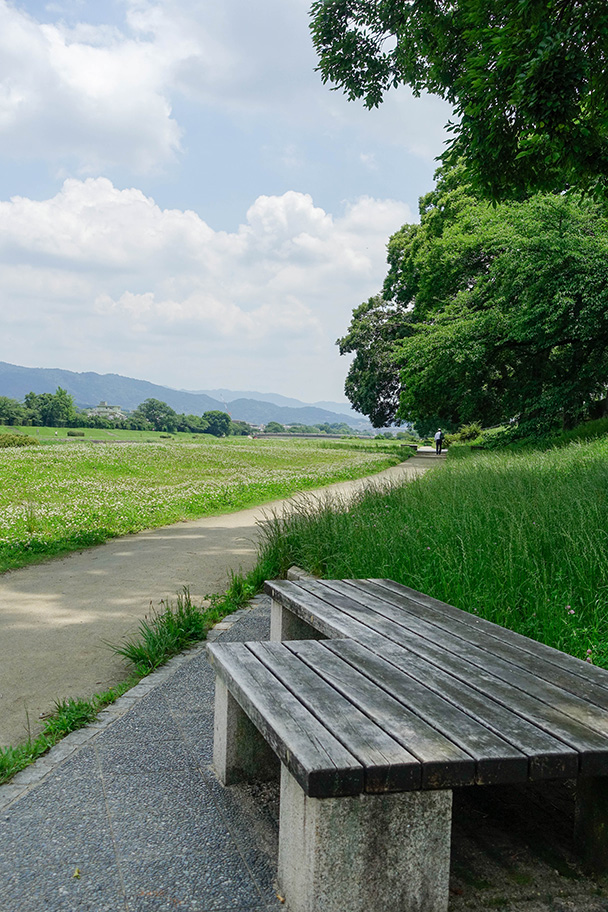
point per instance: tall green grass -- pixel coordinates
(521, 539)
(166, 632)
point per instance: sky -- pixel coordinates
(183, 201)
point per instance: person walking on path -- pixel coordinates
(438, 441)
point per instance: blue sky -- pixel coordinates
(183, 201)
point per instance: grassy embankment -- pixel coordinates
(518, 538)
(60, 498)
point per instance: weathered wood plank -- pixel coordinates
(308, 607)
(353, 620)
(492, 638)
(576, 666)
(444, 764)
(317, 760)
(388, 765)
(550, 731)
(497, 760)
(379, 614)
(323, 615)
(547, 756)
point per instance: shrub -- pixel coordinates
(469, 431)
(17, 440)
(75, 433)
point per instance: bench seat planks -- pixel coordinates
(556, 719)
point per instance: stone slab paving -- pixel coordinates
(127, 816)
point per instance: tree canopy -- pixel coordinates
(160, 415)
(528, 80)
(487, 313)
(218, 423)
(11, 411)
(50, 409)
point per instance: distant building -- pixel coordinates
(103, 410)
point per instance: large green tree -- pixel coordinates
(51, 409)
(218, 423)
(11, 411)
(488, 313)
(528, 79)
(160, 415)
(193, 424)
(373, 383)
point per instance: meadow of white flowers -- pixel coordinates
(81, 493)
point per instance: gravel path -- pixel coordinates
(56, 618)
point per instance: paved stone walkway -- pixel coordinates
(127, 816)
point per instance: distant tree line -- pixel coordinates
(338, 427)
(59, 410)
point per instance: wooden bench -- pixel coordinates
(378, 700)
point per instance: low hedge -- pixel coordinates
(17, 440)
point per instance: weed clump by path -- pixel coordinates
(175, 627)
(69, 715)
(520, 539)
(165, 633)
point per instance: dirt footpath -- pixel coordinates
(56, 618)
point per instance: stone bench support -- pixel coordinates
(366, 853)
(240, 753)
(591, 823)
(285, 625)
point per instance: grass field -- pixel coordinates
(66, 496)
(521, 539)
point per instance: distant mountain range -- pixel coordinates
(89, 389)
(227, 395)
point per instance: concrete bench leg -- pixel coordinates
(285, 625)
(240, 753)
(368, 853)
(591, 823)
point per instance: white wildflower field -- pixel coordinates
(62, 497)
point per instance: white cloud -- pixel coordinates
(131, 283)
(86, 97)
(102, 278)
(369, 160)
(258, 60)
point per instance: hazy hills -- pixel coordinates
(88, 389)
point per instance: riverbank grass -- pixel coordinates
(520, 539)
